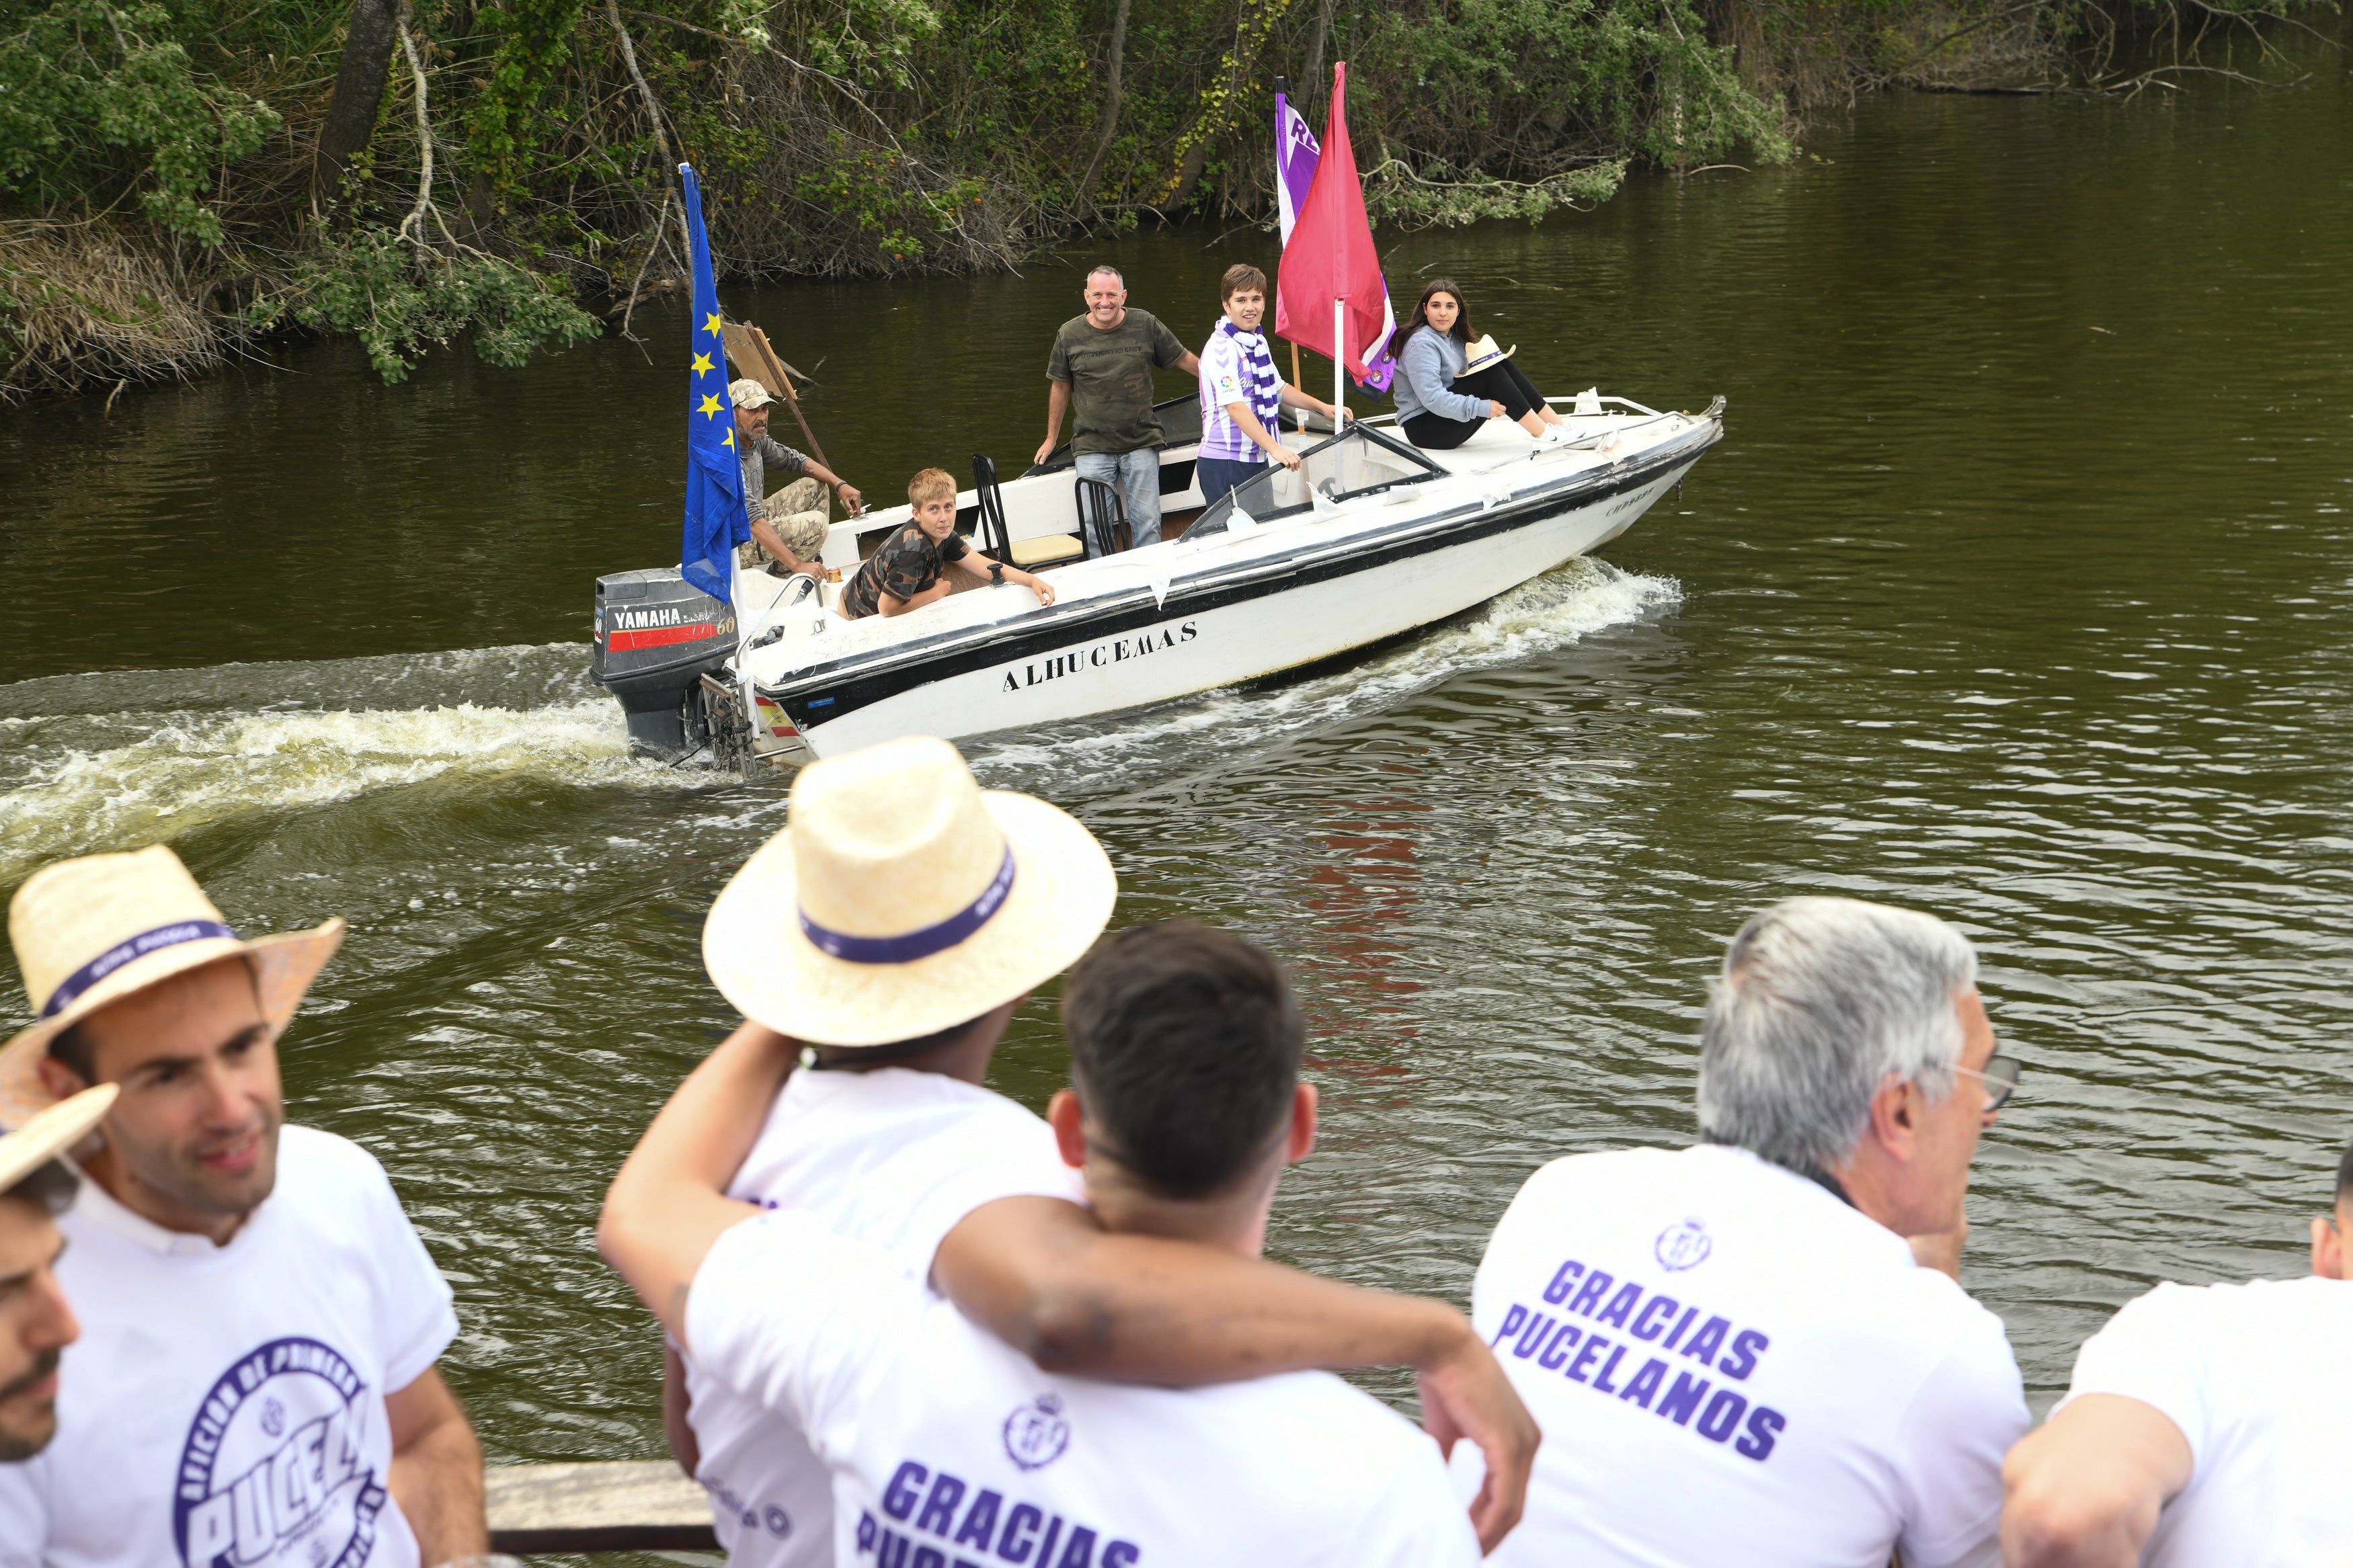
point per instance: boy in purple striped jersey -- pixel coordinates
(1241, 396)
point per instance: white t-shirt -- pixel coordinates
(896, 1158)
(226, 1403)
(948, 1446)
(1731, 1365)
(2260, 1379)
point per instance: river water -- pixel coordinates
(2012, 594)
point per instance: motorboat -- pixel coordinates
(1368, 539)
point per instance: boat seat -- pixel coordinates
(1046, 550)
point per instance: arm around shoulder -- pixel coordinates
(2085, 1491)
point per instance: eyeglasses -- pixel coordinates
(2000, 1076)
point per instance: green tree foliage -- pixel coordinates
(96, 99)
(877, 136)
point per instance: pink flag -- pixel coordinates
(1330, 256)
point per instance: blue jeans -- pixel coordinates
(1136, 477)
(1218, 475)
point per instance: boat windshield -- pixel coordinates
(1358, 463)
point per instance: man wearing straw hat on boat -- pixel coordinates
(257, 1380)
(36, 1323)
(898, 920)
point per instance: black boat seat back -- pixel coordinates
(1029, 554)
(1103, 518)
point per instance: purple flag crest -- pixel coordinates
(1295, 151)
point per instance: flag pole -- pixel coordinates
(1302, 413)
(1339, 361)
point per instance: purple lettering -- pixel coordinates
(1565, 1277)
(1707, 1341)
(1653, 1316)
(1557, 1352)
(1533, 1336)
(893, 1553)
(1080, 1552)
(1764, 1425)
(906, 1488)
(930, 1557)
(1602, 1379)
(1597, 1285)
(939, 1510)
(1722, 1415)
(979, 1520)
(1742, 1359)
(1120, 1555)
(1587, 1357)
(1045, 1547)
(1645, 1382)
(1621, 1308)
(1020, 1534)
(1681, 1324)
(1513, 1316)
(1678, 1403)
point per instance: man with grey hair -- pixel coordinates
(1731, 1348)
(1103, 362)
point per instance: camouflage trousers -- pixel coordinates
(799, 515)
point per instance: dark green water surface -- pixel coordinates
(2013, 594)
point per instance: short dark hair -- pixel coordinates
(71, 1046)
(1185, 1046)
(1241, 275)
(52, 1185)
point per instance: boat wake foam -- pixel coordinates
(1553, 611)
(104, 761)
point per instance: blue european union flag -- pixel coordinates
(715, 519)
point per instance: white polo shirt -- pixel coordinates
(896, 1159)
(226, 1403)
(1732, 1366)
(2259, 1378)
(949, 1447)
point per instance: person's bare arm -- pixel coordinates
(1190, 364)
(1042, 1276)
(1294, 398)
(1057, 405)
(437, 1470)
(669, 1203)
(1247, 423)
(2085, 1488)
(977, 564)
(678, 1408)
(888, 603)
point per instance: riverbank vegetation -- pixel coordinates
(179, 177)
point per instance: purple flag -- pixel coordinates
(1295, 152)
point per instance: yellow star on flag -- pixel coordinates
(710, 323)
(728, 439)
(710, 406)
(702, 363)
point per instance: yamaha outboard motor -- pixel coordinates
(657, 637)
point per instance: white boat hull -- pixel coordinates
(1302, 593)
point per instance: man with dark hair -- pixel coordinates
(945, 1443)
(891, 929)
(35, 1324)
(2205, 1424)
(1102, 363)
(1241, 396)
(257, 1382)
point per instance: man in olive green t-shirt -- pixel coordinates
(1104, 361)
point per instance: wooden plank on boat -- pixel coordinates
(610, 1506)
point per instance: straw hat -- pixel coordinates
(901, 899)
(92, 931)
(51, 1133)
(1483, 352)
(748, 393)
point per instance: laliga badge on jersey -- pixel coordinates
(1684, 1246)
(1036, 1434)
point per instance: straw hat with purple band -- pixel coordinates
(93, 930)
(901, 899)
(1484, 352)
(53, 1133)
